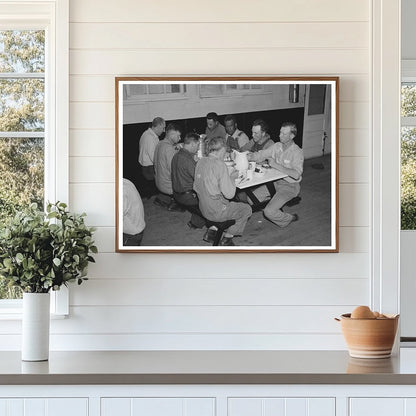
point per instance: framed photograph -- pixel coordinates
(226, 164)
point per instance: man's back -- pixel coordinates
(147, 144)
(213, 186)
(183, 171)
(163, 159)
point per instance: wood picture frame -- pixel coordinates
(311, 104)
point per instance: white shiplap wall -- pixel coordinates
(185, 301)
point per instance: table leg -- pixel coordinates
(271, 188)
(253, 197)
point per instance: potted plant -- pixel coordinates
(40, 252)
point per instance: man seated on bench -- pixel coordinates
(215, 187)
(183, 173)
(165, 150)
(287, 157)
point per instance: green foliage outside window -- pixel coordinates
(408, 104)
(408, 179)
(21, 110)
(408, 159)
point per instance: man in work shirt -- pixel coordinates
(236, 138)
(147, 146)
(215, 187)
(183, 174)
(133, 215)
(214, 127)
(287, 157)
(165, 150)
(261, 137)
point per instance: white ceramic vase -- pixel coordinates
(35, 326)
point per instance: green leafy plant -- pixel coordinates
(43, 251)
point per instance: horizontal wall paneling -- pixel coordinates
(295, 61)
(231, 11)
(217, 35)
(220, 291)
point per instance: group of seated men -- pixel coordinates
(235, 138)
(204, 185)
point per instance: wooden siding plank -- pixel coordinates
(354, 169)
(94, 143)
(354, 205)
(219, 11)
(354, 142)
(295, 61)
(318, 265)
(185, 341)
(217, 291)
(218, 35)
(202, 319)
(92, 169)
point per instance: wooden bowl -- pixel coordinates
(369, 338)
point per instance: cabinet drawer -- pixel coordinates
(44, 407)
(382, 406)
(277, 406)
(158, 406)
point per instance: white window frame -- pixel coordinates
(385, 131)
(53, 17)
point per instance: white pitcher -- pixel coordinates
(241, 161)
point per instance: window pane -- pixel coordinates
(173, 88)
(21, 173)
(22, 51)
(22, 109)
(316, 99)
(136, 89)
(156, 89)
(408, 178)
(22, 105)
(208, 90)
(408, 100)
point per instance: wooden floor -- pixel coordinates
(165, 228)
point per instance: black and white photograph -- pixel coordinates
(227, 164)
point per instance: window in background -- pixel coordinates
(34, 79)
(408, 156)
(22, 124)
(158, 91)
(316, 99)
(215, 90)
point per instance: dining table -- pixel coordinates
(260, 176)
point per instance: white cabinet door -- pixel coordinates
(392, 406)
(377, 407)
(154, 406)
(44, 407)
(272, 406)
